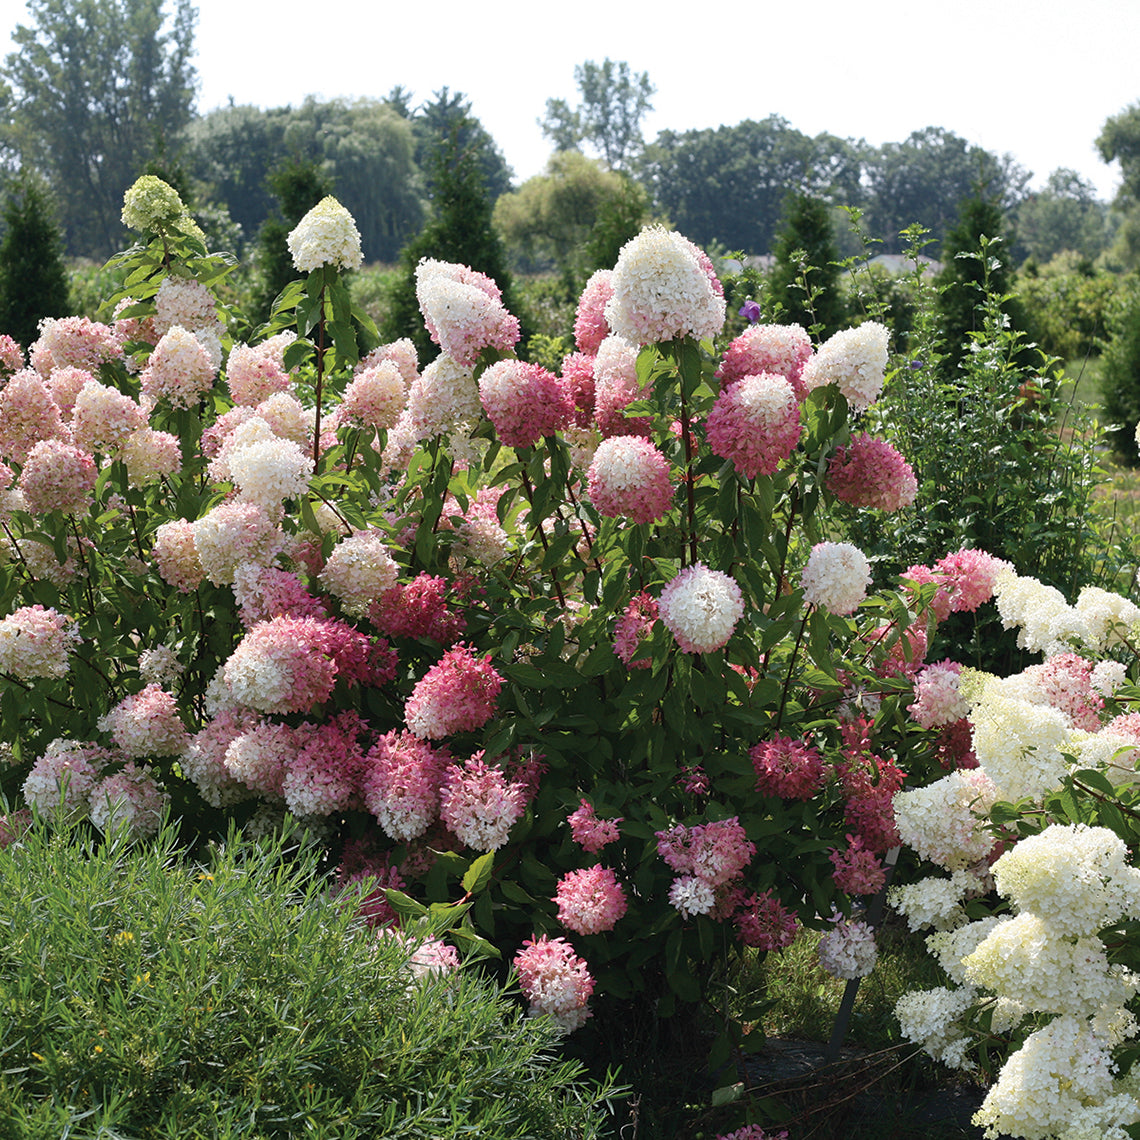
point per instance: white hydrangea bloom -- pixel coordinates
(929, 1018)
(934, 901)
(940, 821)
(1106, 615)
(1019, 744)
(701, 607)
(951, 946)
(853, 359)
(848, 950)
(358, 570)
(326, 235)
(836, 577)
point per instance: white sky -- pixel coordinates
(1036, 78)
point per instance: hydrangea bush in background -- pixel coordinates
(574, 658)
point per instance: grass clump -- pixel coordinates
(146, 995)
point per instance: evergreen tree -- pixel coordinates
(1120, 380)
(805, 277)
(459, 230)
(960, 282)
(33, 277)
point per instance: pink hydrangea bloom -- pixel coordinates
(580, 387)
(937, 699)
(147, 724)
(764, 922)
(265, 592)
(781, 349)
(755, 423)
(923, 576)
(103, 417)
(1065, 681)
(14, 824)
(28, 414)
(590, 832)
(857, 870)
(590, 326)
(260, 756)
(463, 311)
(254, 373)
(11, 356)
(402, 779)
(184, 301)
(374, 398)
(361, 862)
(36, 642)
(664, 288)
(419, 609)
(897, 653)
(716, 852)
(177, 555)
(555, 981)
(62, 778)
(400, 352)
(786, 767)
(73, 342)
(753, 1132)
(65, 384)
(457, 694)
(324, 772)
(130, 798)
(233, 533)
(291, 664)
(590, 901)
(525, 402)
(700, 608)
(848, 949)
(479, 805)
(871, 473)
(630, 478)
(616, 386)
(969, 577)
(870, 784)
(526, 768)
(203, 760)
(179, 370)
(633, 627)
(58, 477)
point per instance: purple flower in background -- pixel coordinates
(750, 311)
(917, 364)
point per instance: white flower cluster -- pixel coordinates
(941, 820)
(326, 235)
(853, 359)
(358, 570)
(1020, 744)
(848, 950)
(701, 607)
(663, 291)
(930, 1018)
(933, 901)
(836, 577)
(269, 471)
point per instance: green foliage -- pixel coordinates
(614, 100)
(1003, 464)
(574, 218)
(97, 87)
(149, 994)
(1065, 215)
(1067, 305)
(1120, 376)
(33, 278)
(804, 282)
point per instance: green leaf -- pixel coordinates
(479, 873)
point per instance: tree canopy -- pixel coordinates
(95, 88)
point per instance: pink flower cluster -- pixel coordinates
(177, 556)
(857, 870)
(479, 805)
(147, 724)
(616, 386)
(755, 423)
(36, 642)
(633, 627)
(374, 397)
(706, 857)
(463, 311)
(870, 783)
(253, 374)
(457, 694)
(764, 922)
(590, 901)
(179, 370)
(419, 609)
(130, 798)
(937, 700)
(62, 778)
(525, 402)
(266, 592)
(965, 581)
(555, 981)
(58, 477)
(781, 349)
(869, 472)
(786, 767)
(629, 477)
(590, 325)
(73, 342)
(28, 414)
(325, 766)
(401, 784)
(1065, 680)
(590, 832)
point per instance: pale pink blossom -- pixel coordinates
(590, 326)
(179, 370)
(780, 349)
(630, 478)
(590, 901)
(479, 805)
(555, 981)
(37, 642)
(525, 402)
(590, 832)
(147, 724)
(58, 476)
